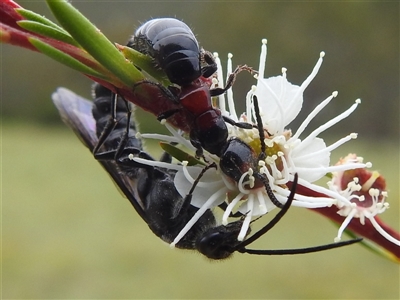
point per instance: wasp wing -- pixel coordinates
(76, 112)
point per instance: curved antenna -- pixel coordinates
(301, 250)
(259, 127)
(241, 247)
(268, 189)
(264, 179)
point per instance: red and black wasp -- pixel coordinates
(175, 50)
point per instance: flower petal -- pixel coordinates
(311, 168)
(278, 102)
(209, 184)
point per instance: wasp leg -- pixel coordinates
(231, 80)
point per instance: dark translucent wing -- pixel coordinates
(76, 112)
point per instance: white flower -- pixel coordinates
(286, 154)
(366, 192)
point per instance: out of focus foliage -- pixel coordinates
(361, 41)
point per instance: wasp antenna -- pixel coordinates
(269, 191)
(259, 126)
(302, 250)
(241, 247)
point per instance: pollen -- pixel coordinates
(275, 150)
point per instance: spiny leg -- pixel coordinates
(231, 80)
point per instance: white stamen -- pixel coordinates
(186, 173)
(314, 73)
(246, 222)
(383, 232)
(327, 125)
(197, 216)
(322, 190)
(263, 58)
(221, 98)
(249, 104)
(241, 184)
(344, 224)
(330, 169)
(160, 137)
(183, 141)
(329, 148)
(229, 92)
(311, 116)
(230, 207)
(302, 200)
(156, 163)
(261, 200)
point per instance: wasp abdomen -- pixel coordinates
(172, 45)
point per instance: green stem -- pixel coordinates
(94, 42)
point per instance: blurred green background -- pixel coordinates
(68, 233)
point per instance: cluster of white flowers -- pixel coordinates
(286, 154)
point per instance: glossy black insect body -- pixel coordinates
(151, 190)
(175, 50)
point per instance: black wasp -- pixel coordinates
(151, 190)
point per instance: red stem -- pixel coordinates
(367, 230)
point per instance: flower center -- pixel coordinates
(273, 153)
(360, 183)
